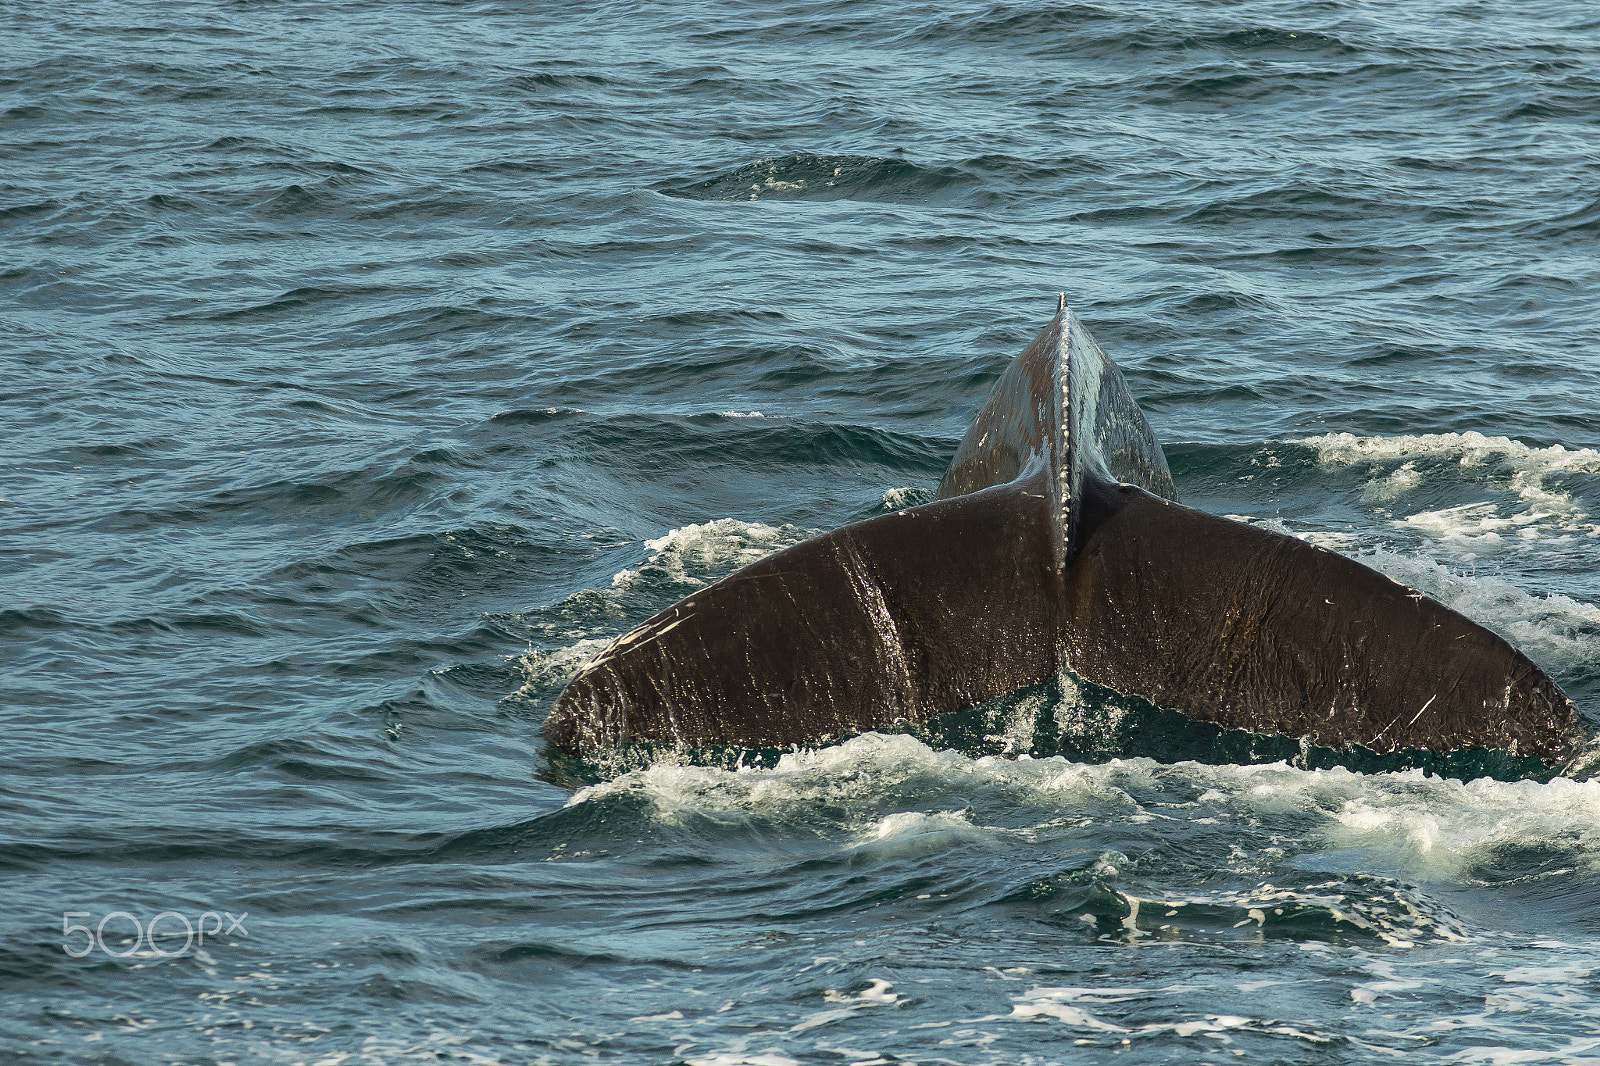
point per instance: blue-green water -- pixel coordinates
(367, 367)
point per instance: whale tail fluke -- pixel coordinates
(1055, 541)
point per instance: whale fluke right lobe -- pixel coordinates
(1244, 627)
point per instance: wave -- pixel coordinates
(832, 177)
(880, 801)
(641, 442)
(1533, 476)
(716, 546)
(1582, 223)
(1471, 449)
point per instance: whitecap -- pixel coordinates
(1471, 449)
(691, 554)
(901, 498)
(543, 667)
(1426, 827)
(1472, 530)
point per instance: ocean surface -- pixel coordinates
(367, 367)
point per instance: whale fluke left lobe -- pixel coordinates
(895, 619)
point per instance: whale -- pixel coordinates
(1056, 543)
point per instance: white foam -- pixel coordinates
(912, 833)
(770, 1057)
(878, 993)
(1065, 1005)
(1397, 484)
(1426, 827)
(1333, 540)
(1471, 449)
(1386, 910)
(1565, 973)
(1069, 1005)
(1471, 531)
(772, 183)
(694, 554)
(1430, 827)
(1478, 530)
(1577, 1051)
(671, 1016)
(860, 769)
(556, 666)
(1436, 828)
(901, 498)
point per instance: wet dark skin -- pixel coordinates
(1056, 543)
